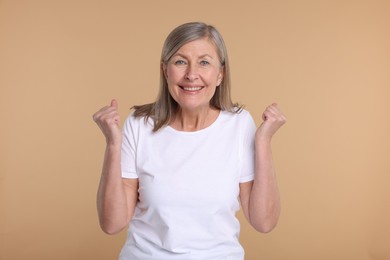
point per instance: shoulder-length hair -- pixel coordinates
(163, 110)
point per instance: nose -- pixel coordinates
(191, 73)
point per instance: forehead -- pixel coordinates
(198, 47)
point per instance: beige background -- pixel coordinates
(326, 63)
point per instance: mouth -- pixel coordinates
(191, 89)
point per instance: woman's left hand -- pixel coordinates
(273, 119)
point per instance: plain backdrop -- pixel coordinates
(326, 63)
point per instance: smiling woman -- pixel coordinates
(176, 171)
(193, 74)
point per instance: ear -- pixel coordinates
(164, 69)
(220, 77)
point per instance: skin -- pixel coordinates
(116, 196)
(260, 200)
(193, 74)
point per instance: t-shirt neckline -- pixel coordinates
(208, 128)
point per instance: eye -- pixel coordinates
(204, 63)
(180, 62)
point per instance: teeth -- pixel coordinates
(192, 88)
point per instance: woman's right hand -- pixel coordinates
(108, 120)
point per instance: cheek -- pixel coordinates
(171, 88)
(217, 78)
(172, 75)
(215, 74)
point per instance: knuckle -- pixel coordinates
(95, 117)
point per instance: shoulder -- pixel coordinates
(135, 123)
(239, 122)
(240, 116)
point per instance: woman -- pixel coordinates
(184, 165)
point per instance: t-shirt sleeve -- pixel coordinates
(129, 144)
(248, 150)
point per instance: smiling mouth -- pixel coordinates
(193, 89)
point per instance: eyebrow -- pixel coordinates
(200, 57)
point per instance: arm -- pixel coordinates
(116, 197)
(260, 199)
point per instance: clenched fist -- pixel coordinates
(273, 119)
(108, 120)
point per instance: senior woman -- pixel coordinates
(182, 166)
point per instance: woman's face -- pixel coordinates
(193, 74)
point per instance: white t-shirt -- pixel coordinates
(188, 188)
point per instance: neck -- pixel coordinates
(190, 121)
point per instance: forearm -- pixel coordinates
(264, 203)
(111, 196)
